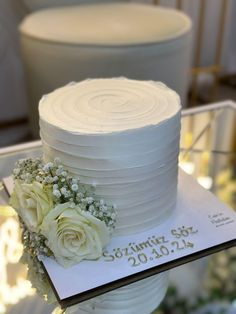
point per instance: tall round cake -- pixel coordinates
(123, 137)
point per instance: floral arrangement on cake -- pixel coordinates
(60, 217)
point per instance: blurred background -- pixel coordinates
(211, 65)
(188, 44)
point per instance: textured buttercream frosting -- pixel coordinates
(141, 297)
(122, 136)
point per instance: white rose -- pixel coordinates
(32, 202)
(74, 235)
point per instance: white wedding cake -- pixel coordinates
(123, 137)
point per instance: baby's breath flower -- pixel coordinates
(56, 193)
(48, 166)
(67, 194)
(16, 171)
(72, 204)
(91, 208)
(55, 178)
(63, 190)
(23, 176)
(34, 243)
(59, 171)
(38, 178)
(113, 216)
(48, 179)
(74, 187)
(74, 181)
(80, 195)
(103, 208)
(89, 200)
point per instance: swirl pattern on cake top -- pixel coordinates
(108, 105)
(121, 135)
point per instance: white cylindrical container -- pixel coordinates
(34, 5)
(74, 43)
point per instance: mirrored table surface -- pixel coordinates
(207, 152)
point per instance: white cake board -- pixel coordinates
(200, 225)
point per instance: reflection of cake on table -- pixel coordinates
(122, 136)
